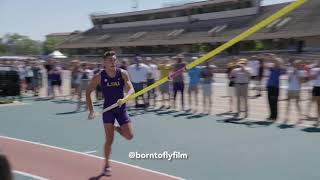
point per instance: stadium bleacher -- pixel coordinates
(301, 23)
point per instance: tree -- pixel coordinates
(3, 48)
(50, 44)
(21, 45)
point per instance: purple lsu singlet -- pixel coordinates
(112, 87)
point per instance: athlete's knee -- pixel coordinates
(129, 136)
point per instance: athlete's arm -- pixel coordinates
(127, 84)
(91, 87)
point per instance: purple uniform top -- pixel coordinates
(112, 87)
(113, 90)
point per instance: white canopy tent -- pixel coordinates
(57, 55)
(16, 58)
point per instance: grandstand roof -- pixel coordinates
(164, 9)
(303, 22)
(59, 34)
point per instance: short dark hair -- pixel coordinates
(5, 169)
(109, 53)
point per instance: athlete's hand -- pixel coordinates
(91, 115)
(120, 102)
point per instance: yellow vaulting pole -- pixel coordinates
(221, 48)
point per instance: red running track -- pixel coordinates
(56, 163)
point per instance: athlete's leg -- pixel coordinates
(125, 130)
(109, 135)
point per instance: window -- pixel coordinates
(273, 23)
(104, 37)
(176, 32)
(283, 22)
(217, 29)
(137, 35)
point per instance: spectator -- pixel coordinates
(315, 75)
(29, 76)
(138, 73)
(22, 75)
(124, 64)
(96, 71)
(254, 65)
(75, 78)
(165, 67)
(49, 66)
(242, 76)
(295, 79)
(152, 77)
(37, 78)
(178, 81)
(207, 79)
(309, 78)
(231, 89)
(193, 89)
(273, 84)
(260, 76)
(84, 81)
(56, 80)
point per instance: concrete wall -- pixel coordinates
(312, 42)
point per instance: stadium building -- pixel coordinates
(199, 26)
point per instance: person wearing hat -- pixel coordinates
(242, 76)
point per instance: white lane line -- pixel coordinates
(29, 175)
(94, 156)
(90, 152)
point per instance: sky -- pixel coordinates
(37, 18)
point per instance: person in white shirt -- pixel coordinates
(29, 76)
(296, 76)
(242, 76)
(152, 77)
(254, 64)
(307, 68)
(138, 74)
(315, 75)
